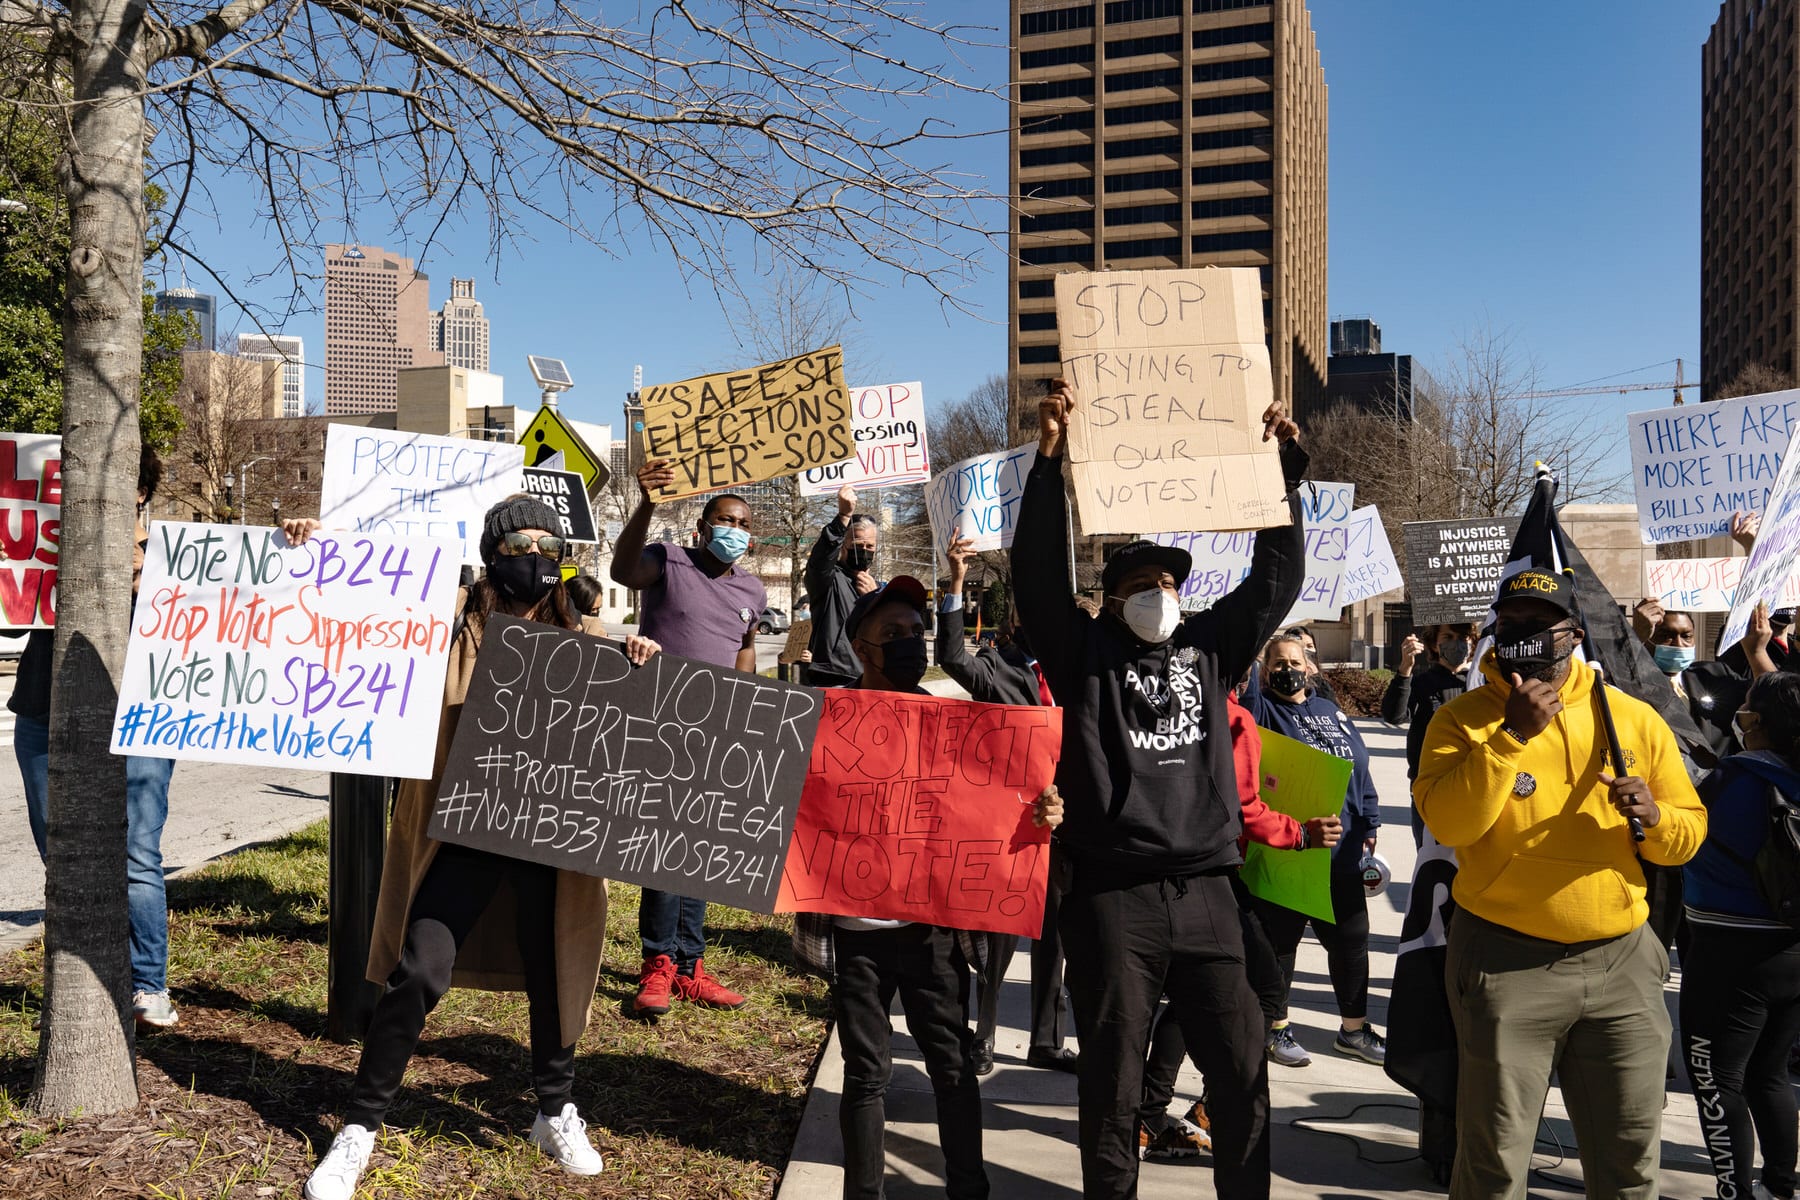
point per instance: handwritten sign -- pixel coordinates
(566, 494)
(1369, 566)
(887, 424)
(740, 427)
(1454, 567)
(1703, 584)
(918, 808)
(415, 484)
(326, 656)
(30, 528)
(979, 496)
(1171, 377)
(799, 640)
(1222, 560)
(1303, 783)
(676, 775)
(1693, 466)
(1776, 555)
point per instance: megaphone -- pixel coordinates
(1375, 874)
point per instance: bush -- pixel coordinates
(1358, 691)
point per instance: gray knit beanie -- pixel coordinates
(512, 514)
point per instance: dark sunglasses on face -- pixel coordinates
(547, 544)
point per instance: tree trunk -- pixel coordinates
(85, 1059)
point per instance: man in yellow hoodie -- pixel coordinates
(1551, 966)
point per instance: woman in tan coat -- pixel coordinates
(449, 915)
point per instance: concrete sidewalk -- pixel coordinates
(1341, 1129)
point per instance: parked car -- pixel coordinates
(773, 620)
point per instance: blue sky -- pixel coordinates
(1530, 167)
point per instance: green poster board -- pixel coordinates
(1303, 783)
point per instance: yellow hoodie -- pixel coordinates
(1557, 863)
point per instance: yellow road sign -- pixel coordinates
(550, 434)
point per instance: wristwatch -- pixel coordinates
(1514, 734)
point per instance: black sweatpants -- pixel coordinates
(1130, 941)
(1346, 941)
(922, 963)
(455, 892)
(1740, 1014)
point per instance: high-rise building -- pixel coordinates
(1360, 374)
(204, 309)
(1748, 192)
(459, 330)
(377, 320)
(290, 352)
(1169, 133)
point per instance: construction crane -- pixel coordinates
(1679, 382)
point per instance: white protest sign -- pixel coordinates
(1370, 568)
(30, 528)
(1703, 584)
(415, 484)
(328, 656)
(1695, 465)
(980, 497)
(1222, 560)
(1776, 555)
(888, 425)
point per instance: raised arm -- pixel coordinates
(1396, 700)
(821, 562)
(1250, 613)
(1043, 593)
(975, 673)
(631, 567)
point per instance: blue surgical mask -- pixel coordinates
(1673, 660)
(728, 543)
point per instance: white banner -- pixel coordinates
(980, 496)
(1695, 465)
(415, 484)
(1370, 568)
(30, 528)
(1776, 555)
(888, 425)
(1222, 560)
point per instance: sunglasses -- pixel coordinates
(547, 544)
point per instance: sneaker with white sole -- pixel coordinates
(1362, 1043)
(154, 1008)
(336, 1175)
(1284, 1049)
(564, 1138)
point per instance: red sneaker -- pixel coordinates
(655, 984)
(702, 988)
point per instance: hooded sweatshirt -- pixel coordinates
(1262, 824)
(1541, 848)
(1717, 886)
(1317, 722)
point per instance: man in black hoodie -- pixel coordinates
(1152, 814)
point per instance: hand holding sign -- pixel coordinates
(1053, 417)
(654, 476)
(1278, 425)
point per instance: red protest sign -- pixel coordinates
(918, 808)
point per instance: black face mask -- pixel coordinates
(858, 558)
(1530, 654)
(903, 660)
(1287, 681)
(524, 578)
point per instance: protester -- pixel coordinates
(1153, 818)
(449, 915)
(839, 569)
(1005, 673)
(876, 958)
(585, 594)
(1413, 705)
(146, 794)
(1716, 688)
(1315, 677)
(696, 602)
(1282, 703)
(1551, 965)
(1740, 979)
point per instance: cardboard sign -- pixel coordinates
(1693, 466)
(888, 425)
(324, 656)
(1369, 567)
(723, 431)
(918, 808)
(1703, 584)
(799, 638)
(1222, 560)
(1775, 557)
(676, 775)
(1303, 783)
(30, 528)
(1171, 378)
(1453, 567)
(415, 484)
(980, 496)
(566, 494)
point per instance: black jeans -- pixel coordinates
(672, 925)
(1046, 981)
(1129, 941)
(451, 898)
(1740, 1013)
(1346, 942)
(922, 963)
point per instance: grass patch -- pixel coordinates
(240, 1098)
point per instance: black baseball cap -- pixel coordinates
(1535, 583)
(1142, 553)
(901, 589)
(1781, 618)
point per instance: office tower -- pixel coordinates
(204, 309)
(1169, 133)
(377, 320)
(1748, 193)
(290, 352)
(1360, 374)
(459, 330)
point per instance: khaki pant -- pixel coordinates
(1592, 1012)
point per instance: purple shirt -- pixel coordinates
(694, 615)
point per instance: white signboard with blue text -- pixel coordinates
(1222, 560)
(1694, 465)
(979, 498)
(415, 484)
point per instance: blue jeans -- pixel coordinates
(146, 810)
(671, 925)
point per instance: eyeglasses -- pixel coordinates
(547, 544)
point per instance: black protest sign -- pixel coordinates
(564, 492)
(1453, 567)
(675, 775)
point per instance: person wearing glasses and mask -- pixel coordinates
(450, 915)
(1150, 838)
(840, 569)
(1413, 700)
(1552, 965)
(698, 603)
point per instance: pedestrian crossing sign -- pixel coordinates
(549, 434)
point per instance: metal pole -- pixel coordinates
(359, 811)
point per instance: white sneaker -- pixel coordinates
(336, 1175)
(564, 1138)
(154, 1008)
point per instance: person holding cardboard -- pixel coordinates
(839, 570)
(1153, 812)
